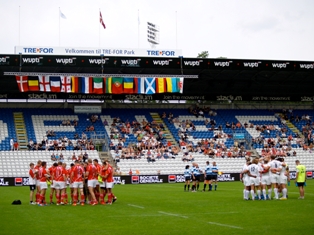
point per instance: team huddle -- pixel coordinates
(264, 175)
(89, 182)
(210, 175)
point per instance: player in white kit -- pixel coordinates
(253, 173)
(266, 183)
(275, 168)
(244, 177)
(284, 177)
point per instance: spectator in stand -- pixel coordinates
(164, 115)
(30, 144)
(84, 136)
(91, 128)
(75, 123)
(64, 123)
(74, 157)
(16, 146)
(105, 123)
(85, 156)
(68, 123)
(53, 157)
(201, 113)
(61, 157)
(11, 144)
(76, 136)
(117, 156)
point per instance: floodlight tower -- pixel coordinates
(152, 34)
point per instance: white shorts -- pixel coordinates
(38, 183)
(102, 185)
(283, 179)
(52, 185)
(78, 184)
(92, 183)
(59, 185)
(43, 185)
(256, 181)
(274, 179)
(266, 180)
(109, 185)
(71, 185)
(246, 181)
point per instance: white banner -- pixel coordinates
(28, 50)
(87, 109)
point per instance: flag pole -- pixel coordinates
(176, 31)
(59, 26)
(138, 28)
(19, 25)
(99, 30)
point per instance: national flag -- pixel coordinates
(108, 85)
(180, 84)
(98, 85)
(22, 83)
(86, 85)
(139, 85)
(33, 84)
(101, 20)
(150, 86)
(65, 84)
(62, 15)
(128, 85)
(75, 84)
(161, 85)
(55, 84)
(172, 85)
(117, 87)
(44, 83)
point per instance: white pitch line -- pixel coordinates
(225, 225)
(165, 213)
(141, 207)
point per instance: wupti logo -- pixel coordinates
(135, 179)
(18, 181)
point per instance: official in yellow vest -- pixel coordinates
(300, 178)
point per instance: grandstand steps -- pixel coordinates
(167, 134)
(105, 156)
(292, 127)
(20, 130)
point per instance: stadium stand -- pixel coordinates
(257, 129)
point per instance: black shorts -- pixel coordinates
(32, 187)
(208, 177)
(214, 177)
(187, 178)
(197, 178)
(300, 184)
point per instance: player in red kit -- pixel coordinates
(108, 177)
(69, 176)
(59, 183)
(77, 177)
(37, 179)
(32, 183)
(97, 190)
(43, 176)
(52, 188)
(91, 174)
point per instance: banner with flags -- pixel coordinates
(100, 85)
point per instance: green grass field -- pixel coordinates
(162, 209)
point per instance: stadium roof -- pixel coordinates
(205, 79)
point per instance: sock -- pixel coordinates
(269, 193)
(110, 197)
(58, 198)
(243, 193)
(259, 194)
(41, 199)
(62, 197)
(66, 198)
(216, 187)
(198, 185)
(188, 187)
(247, 192)
(101, 197)
(252, 194)
(193, 187)
(284, 193)
(37, 196)
(74, 198)
(210, 187)
(82, 198)
(264, 194)
(276, 192)
(184, 187)
(204, 187)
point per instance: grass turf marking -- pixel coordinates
(225, 225)
(141, 207)
(165, 213)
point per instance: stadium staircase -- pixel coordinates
(168, 136)
(20, 130)
(291, 126)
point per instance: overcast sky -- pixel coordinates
(252, 29)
